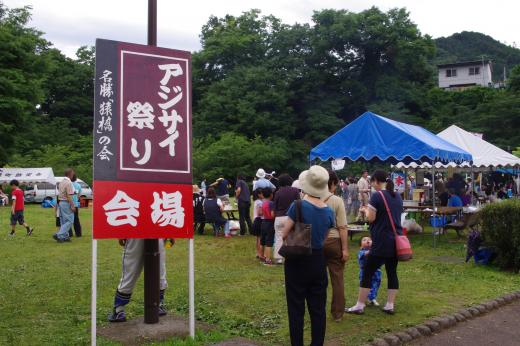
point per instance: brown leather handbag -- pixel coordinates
(298, 241)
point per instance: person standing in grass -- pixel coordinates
(75, 198)
(364, 194)
(383, 249)
(306, 276)
(283, 199)
(66, 206)
(243, 197)
(257, 222)
(267, 238)
(353, 196)
(17, 208)
(336, 249)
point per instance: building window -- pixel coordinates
(474, 71)
(451, 72)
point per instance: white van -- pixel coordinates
(42, 191)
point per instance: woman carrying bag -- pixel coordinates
(306, 274)
(383, 232)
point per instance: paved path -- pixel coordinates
(499, 327)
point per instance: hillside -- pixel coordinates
(468, 45)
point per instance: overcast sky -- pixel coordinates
(69, 24)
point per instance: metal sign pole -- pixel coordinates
(191, 288)
(93, 303)
(151, 246)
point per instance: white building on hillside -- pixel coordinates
(465, 74)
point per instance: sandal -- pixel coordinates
(388, 311)
(355, 311)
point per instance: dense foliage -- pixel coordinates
(264, 92)
(501, 227)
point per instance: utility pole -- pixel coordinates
(151, 246)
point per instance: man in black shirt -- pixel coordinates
(243, 196)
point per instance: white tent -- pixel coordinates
(27, 175)
(485, 154)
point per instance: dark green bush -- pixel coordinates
(501, 227)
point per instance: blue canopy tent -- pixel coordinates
(373, 138)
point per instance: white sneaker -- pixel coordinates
(373, 302)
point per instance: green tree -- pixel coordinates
(69, 88)
(22, 69)
(251, 101)
(513, 83)
(233, 154)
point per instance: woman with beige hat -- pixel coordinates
(306, 276)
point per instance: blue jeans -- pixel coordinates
(66, 220)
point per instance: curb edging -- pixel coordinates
(437, 324)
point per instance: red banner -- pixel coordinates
(143, 210)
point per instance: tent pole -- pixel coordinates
(472, 186)
(405, 184)
(433, 203)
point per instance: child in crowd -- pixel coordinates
(258, 197)
(366, 243)
(267, 238)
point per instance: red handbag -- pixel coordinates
(402, 243)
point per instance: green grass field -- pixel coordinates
(45, 287)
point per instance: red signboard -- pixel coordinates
(142, 142)
(143, 210)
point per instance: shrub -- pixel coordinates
(501, 227)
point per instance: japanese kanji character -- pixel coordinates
(147, 151)
(106, 87)
(105, 124)
(105, 154)
(168, 210)
(140, 115)
(122, 210)
(105, 108)
(171, 70)
(106, 76)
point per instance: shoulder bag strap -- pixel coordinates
(299, 217)
(388, 212)
(326, 199)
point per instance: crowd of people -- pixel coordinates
(326, 203)
(65, 206)
(306, 277)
